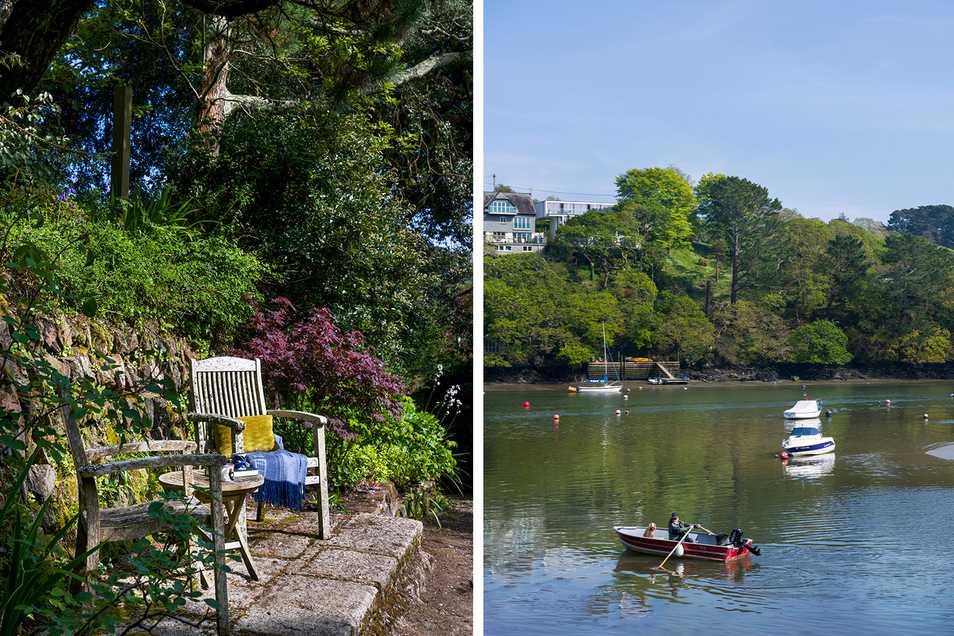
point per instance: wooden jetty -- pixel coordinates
(635, 370)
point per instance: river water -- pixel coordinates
(858, 541)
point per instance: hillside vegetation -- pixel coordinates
(722, 274)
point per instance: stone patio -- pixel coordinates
(310, 586)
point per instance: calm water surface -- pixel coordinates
(859, 541)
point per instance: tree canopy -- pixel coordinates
(754, 284)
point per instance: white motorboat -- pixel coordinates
(807, 440)
(804, 410)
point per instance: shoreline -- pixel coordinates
(715, 384)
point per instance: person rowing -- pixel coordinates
(677, 529)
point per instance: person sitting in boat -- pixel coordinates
(651, 530)
(678, 528)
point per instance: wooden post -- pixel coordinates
(122, 115)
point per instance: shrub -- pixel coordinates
(819, 342)
(199, 284)
(409, 450)
(308, 360)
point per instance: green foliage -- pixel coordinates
(306, 193)
(531, 310)
(684, 330)
(405, 451)
(39, 574)
(820, 342)
(932, 346)
(760, 285)
(202, 284)
(749, 334)
(740, 215)
(602, 241)
(933, 222)
(423, 504)
(660, 200)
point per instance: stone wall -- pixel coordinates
(126, 357)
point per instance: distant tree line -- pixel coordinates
(721, 273)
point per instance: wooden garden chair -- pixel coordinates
(225, 388)
(97, 525)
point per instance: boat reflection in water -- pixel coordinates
(637, 581)
(790, 425)
(809, 467)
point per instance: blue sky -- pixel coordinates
(843, 107)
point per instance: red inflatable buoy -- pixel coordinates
(556, 417)
(526, 404)
(783, 455)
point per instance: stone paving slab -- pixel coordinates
(392, 536)
(308, 605)
(311, 586)
(358, 567)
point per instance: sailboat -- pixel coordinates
(602, 385)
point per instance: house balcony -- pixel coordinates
(537, 238)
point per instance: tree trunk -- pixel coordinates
(213, 92)
(735, 269)
(34, 31)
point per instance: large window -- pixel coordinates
(522, 222)
(502, 206)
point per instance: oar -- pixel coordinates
(704, 529)
(678, 543)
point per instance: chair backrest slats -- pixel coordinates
(228, 386)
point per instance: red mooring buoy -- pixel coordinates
(556, 417)
(526, 404)
(783, 455)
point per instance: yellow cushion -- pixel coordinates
(223, 439)
(258, 435)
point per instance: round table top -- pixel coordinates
(241, 485)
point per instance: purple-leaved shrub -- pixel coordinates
(308, 360)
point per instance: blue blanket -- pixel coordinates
(284, 474)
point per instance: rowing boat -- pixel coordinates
(708, 547)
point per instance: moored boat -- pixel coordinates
(807, 440)
(602, 385)
(598, 386)
(804, 410)
(708, 547)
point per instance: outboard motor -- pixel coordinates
(736, 539)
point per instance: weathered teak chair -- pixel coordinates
(103, 525)
(232, 387)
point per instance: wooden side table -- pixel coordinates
(234, 497)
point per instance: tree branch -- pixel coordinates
(423, 68)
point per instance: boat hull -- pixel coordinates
(599, 389)
(826, 445)
(801, 415)
(633, 540)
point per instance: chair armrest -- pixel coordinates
(207, 459)
(237, 425)
(301, 416)
(143, 446)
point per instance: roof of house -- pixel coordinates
(523, 201)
